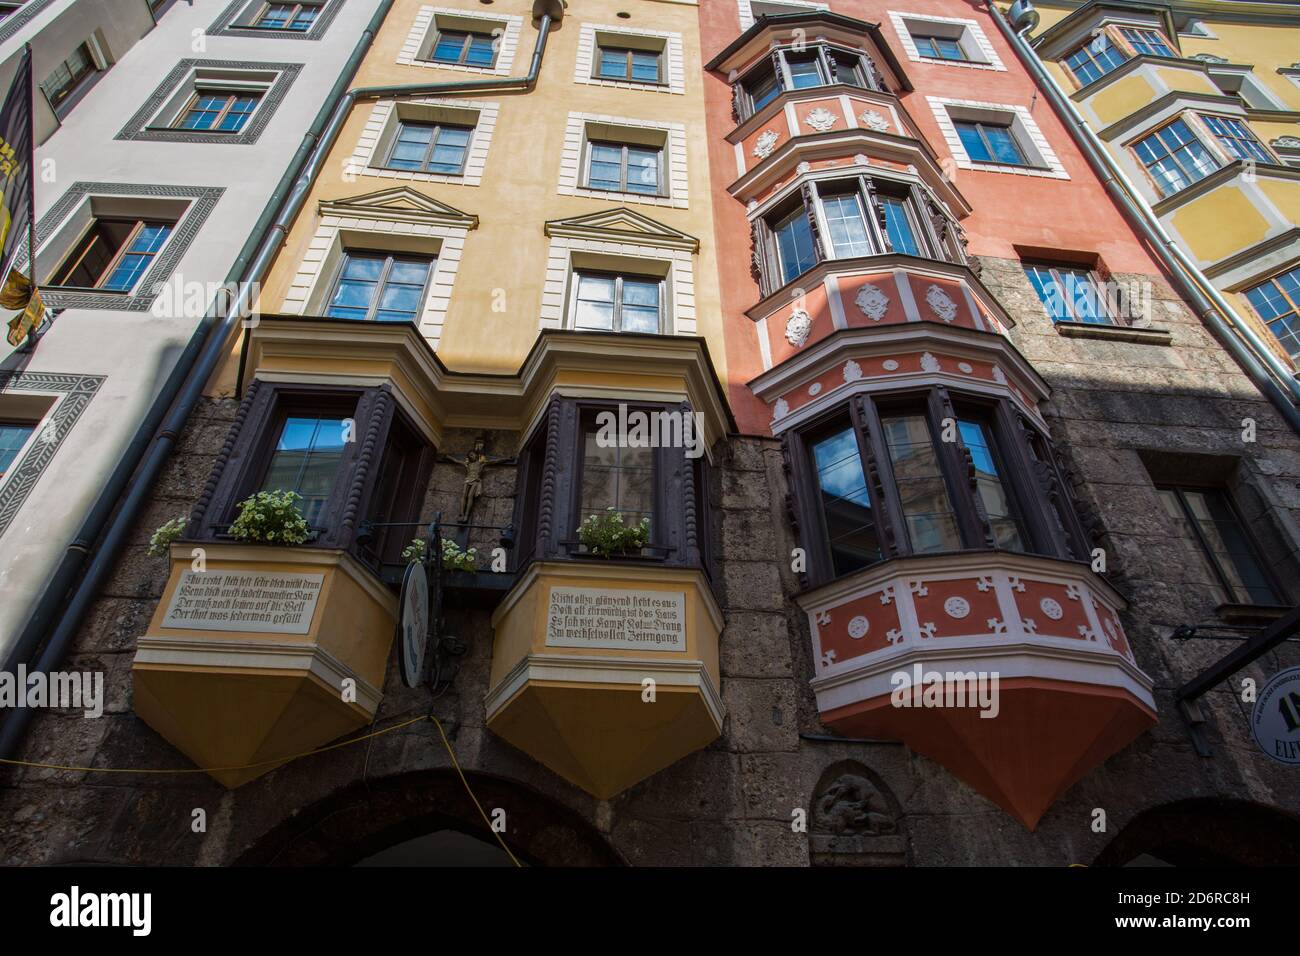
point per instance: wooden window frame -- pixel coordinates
(868, 189)
(389, 258)
(1204, 120)
(67, 94)
(1079, 81)
(1294, 303)
(1212, 148)
(1094, 278)
(618, 277)
(231, 96)
(1207, 553)
(80, 249)
(255, 22)
(776, 66)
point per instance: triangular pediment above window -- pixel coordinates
(400, 204)
(622, 225)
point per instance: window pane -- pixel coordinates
(595, 303)
(804, 73)
(1004, 145)
(1229, 546)
(1237, 138)
(138, 256)
(640, 306)
(898, 226)
(449, 46)
(1147, 41)
(618, 478)
(613, 64)
(1005, 523)
(845, 503)
(1278, 303)
(12, 439)
(764, 92)
(972, 142)
(927, 510)
(645, 66)
(794, 245)
(848, 230)
(305, 460)
(1174, 157)
(480, 51)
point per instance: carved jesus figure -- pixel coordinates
(475, 463)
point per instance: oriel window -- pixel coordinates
(618, 478)
(843, 500)
(1174, 157)
(923, 494)
(306, 460)
(1278, 303)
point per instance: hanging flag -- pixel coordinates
(17, 203)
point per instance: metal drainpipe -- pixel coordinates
(1210, 304)
(251, 265)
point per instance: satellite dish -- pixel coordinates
(413, 623)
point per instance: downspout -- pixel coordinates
(127, 489)
(1213, 309)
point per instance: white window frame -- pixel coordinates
(381, 128)
(426, 23)
(968, 33)
(1028, 136)
(569, 255)
(671, 58)
(584, 127)
(320, 264)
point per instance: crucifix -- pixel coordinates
(475, 464)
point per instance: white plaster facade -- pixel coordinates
(95, 372)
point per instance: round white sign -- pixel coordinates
(1276, 719)
(413, 627)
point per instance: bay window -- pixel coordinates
(350, 453)
(1174, 157)
(808, 66)
(849, 218)
(1236, 138)
(572, 468)
(925, 472)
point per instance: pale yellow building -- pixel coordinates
(1199, 104)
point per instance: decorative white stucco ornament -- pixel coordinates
(940, 303)
(765, 143)
(821, 119)
(872, 301)
(871, 119)
(798, 327)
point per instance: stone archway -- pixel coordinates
(1207, 832)
(366, 818)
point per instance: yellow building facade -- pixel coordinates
(1199, 104)
(512, 182)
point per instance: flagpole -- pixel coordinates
(31, 193)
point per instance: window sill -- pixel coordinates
(1116, 333)
(610, 196)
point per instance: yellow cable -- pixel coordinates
(283, 760)
(456, 763)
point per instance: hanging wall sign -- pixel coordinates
(413, 625)
(1276, 719)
